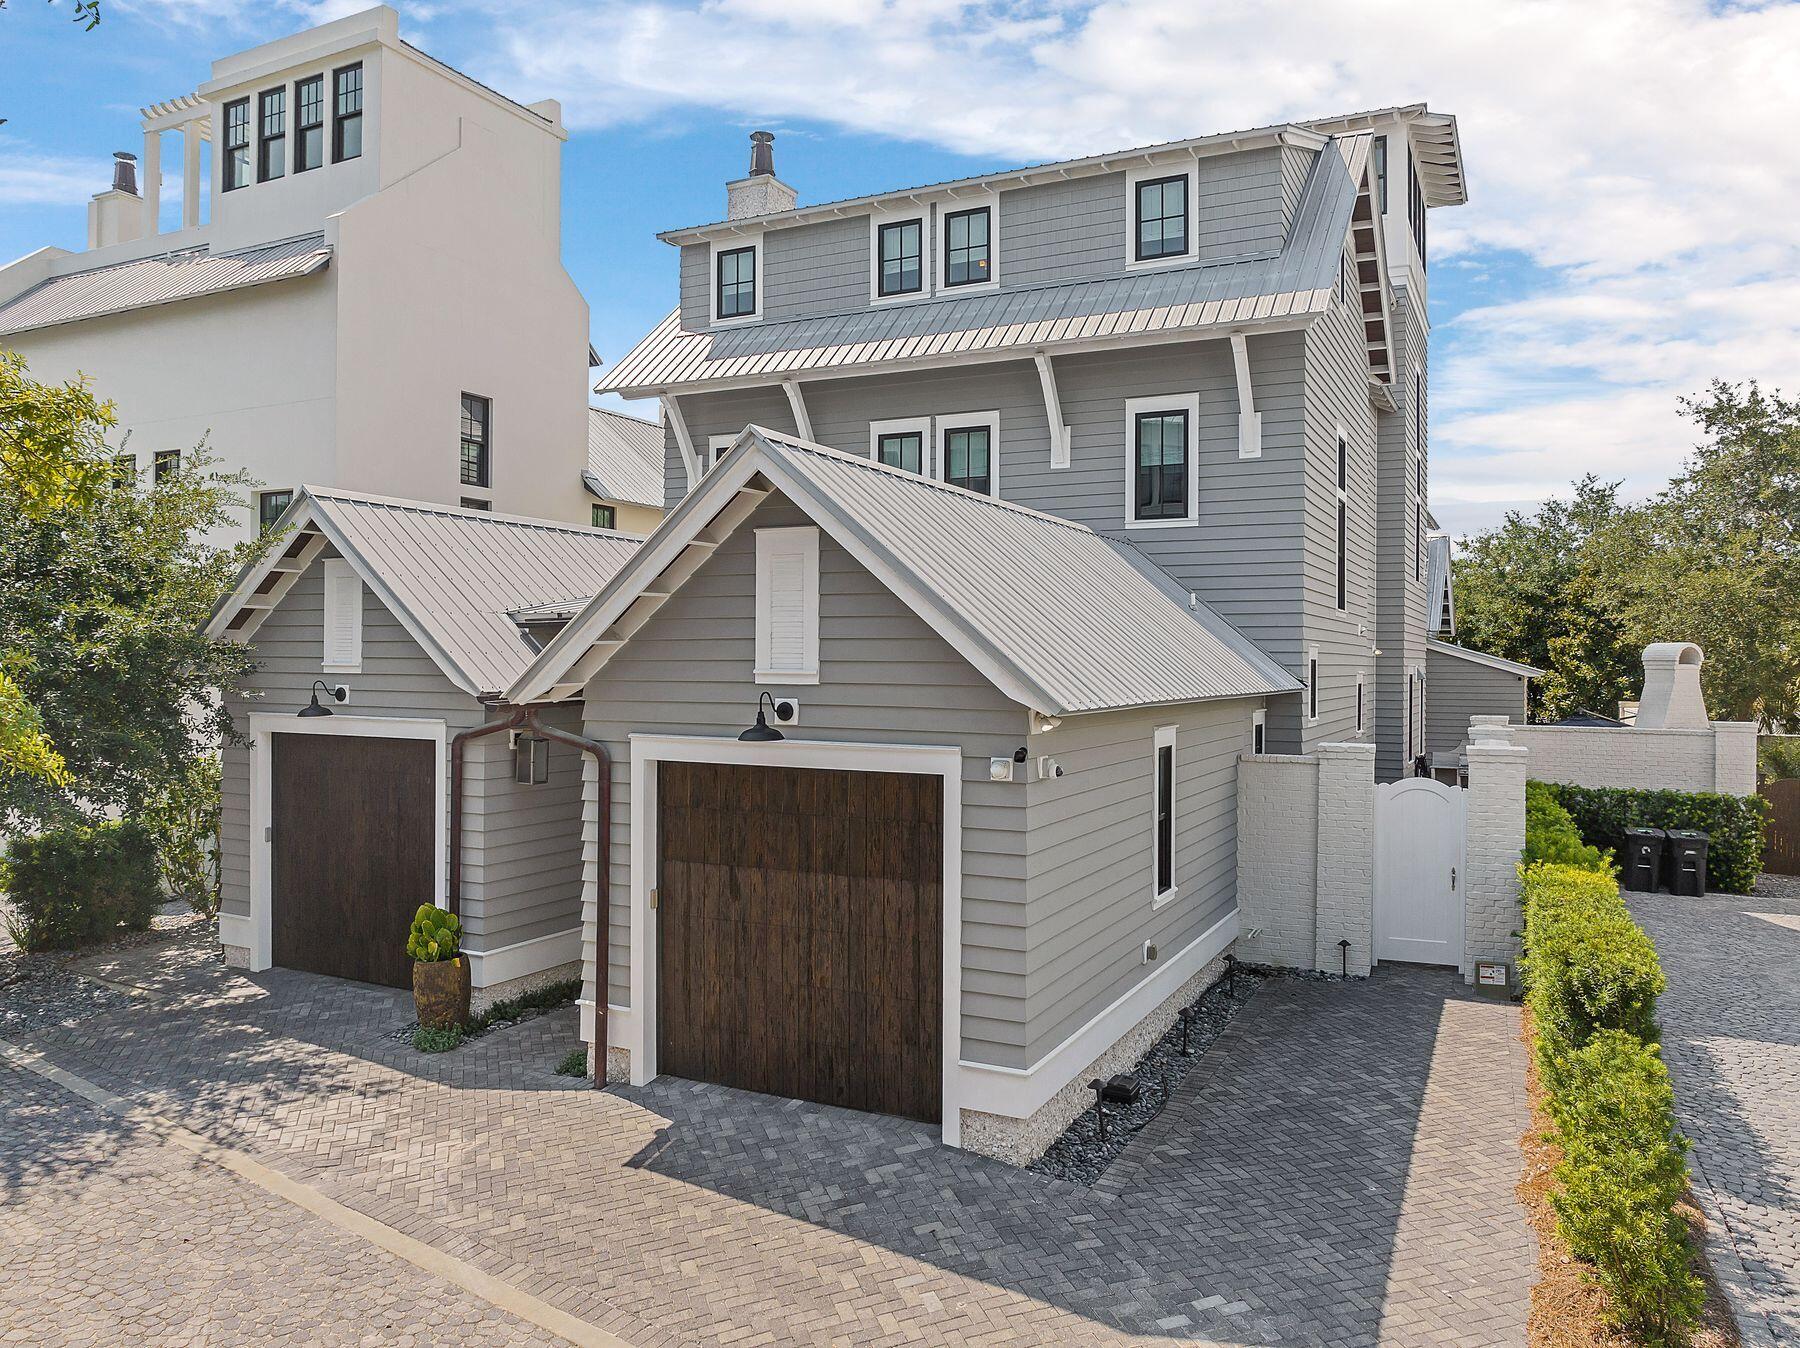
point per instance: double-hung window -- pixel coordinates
(967, 257)
(735, 277)
(969, 457)
(1343, 521)
(235, 163)
(1381, 173)
(1419, 517)
(346, 113)
(901, 449)
(165, 463)
(1164, 815)
(309, 124)
(900, 258)
(1160, 210)
(271, 134)
(270, 505)
(477, 436)
(1162, 473)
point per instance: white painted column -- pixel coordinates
(1496, 841)
(1346, 859)
(152, 184)
(1734, 757)
(190, 175)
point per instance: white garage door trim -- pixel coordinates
(930, 760)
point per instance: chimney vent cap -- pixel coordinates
(125, 172)
(762, 154)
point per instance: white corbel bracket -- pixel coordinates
(802, 422)
(1059, 430)
(1249, 419)
(685, 442)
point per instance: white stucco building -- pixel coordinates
(366, 290)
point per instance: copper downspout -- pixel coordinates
(527, 718)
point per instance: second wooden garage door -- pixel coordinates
(800, 923)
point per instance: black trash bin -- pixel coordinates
(1643, 858)
(1687, 862)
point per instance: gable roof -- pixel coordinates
(1057, 617)
(454, 578)
(624, 458)
(1282, 287)
(163, 279)
(1436, 647)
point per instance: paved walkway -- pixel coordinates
(1731, 1035)
(1339, 1170)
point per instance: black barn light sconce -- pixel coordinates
(762, 732)
(313, 708)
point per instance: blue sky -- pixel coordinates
(1629, 235)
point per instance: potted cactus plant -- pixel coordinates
(440, 973)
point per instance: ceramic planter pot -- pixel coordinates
(441, 993)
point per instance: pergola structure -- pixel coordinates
(192, 116)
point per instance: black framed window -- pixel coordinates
(1343, 522)
(1415, 205)
(167, 461)
(901, 269)
(902, 449)
(309, 124)
(605, 516)
(1162, 467)
(477, 432)
(1162, 227)
(1259, 735)
(1381, 171)
(969, 458)
(476, 503)
(124, 470)
(1165, 818)
(1312, 688)
(271, 134)
(235, 163)
(346, 113)
(1359, 705)
(270, 504)
(966, 253)
(736, 283)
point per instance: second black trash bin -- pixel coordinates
(1644, 858)
(1687, 862)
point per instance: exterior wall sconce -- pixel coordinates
(313, 708)
(762, 732)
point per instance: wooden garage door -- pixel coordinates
(354, 829)
(800, 920)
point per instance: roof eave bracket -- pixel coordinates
(1249, 419)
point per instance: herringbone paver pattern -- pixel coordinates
(1731, 1036)
(1338, 1170)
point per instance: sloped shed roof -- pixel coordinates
(625, 458)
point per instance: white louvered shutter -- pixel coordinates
(787, 604)
(343, 617)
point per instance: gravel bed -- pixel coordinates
(1080, 1155)
(404, 1035)
(38, 991)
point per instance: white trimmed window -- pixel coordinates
(969, 451)
(1159, 215)
(787, 605)
(968, 251)
(343, 618)
(1312, 683)
(1163, 817)
(717, 447)
(734, 279)
(1360, 686)
(900, 266)
(902, 443)
(1343, 520)
(1259, 732)
(1162, 461)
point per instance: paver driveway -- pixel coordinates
(1731, 1035)
(1338, 1170)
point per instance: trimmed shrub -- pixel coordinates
(1734, 823)
(435, 935)
(1623, 1170)
(77, 883)
(1551, 836)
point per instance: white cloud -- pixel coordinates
(1639, 156)
(29, 179)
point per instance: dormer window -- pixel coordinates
(309, 124)
(901, 265)
(346, 113)
(1162, 218)
(966, 253)
(271, 134)
(235, 163)
(736, 279)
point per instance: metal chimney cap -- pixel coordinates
(762, 154)
(124, 154)
(124, 172)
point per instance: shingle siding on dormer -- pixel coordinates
(1239, 207)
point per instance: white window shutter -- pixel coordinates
(343, 618)
(787, 605)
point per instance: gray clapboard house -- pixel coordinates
(337, 827)
(1215, 349)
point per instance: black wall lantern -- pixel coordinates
(313, 708)
(760, 733)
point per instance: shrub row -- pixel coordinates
(1551, 835)
(1592, 979)
(76, 883)
(1734, 824)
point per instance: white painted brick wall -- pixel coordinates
(1674, 760)
(1496, 841)
(1734, 757)
(1346, 858)
(1277, 850)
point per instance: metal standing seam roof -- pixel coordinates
(1088, 622)
(456, 578)
(1498, 662)
(624, 458)
(1438, 593)
(163, 279)
(1294, 283)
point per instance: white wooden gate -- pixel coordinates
(1420, 831)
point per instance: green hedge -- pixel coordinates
(1551, 835)
(1592, 979)
(1734, 824)
(79, 882)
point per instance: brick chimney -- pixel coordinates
(117, 215)
(761, 193)
(1672, 699)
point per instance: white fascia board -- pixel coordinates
(1498, 662)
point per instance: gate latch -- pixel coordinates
(1453, 879)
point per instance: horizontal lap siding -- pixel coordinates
(841, 410)
(1063, 231)
(885, 678)
(1461, 689)
(1090, 873)
(710, 414)
(1401, 600)
(1296, 167)
(397, 679)
(696, 286)
(816, 269)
